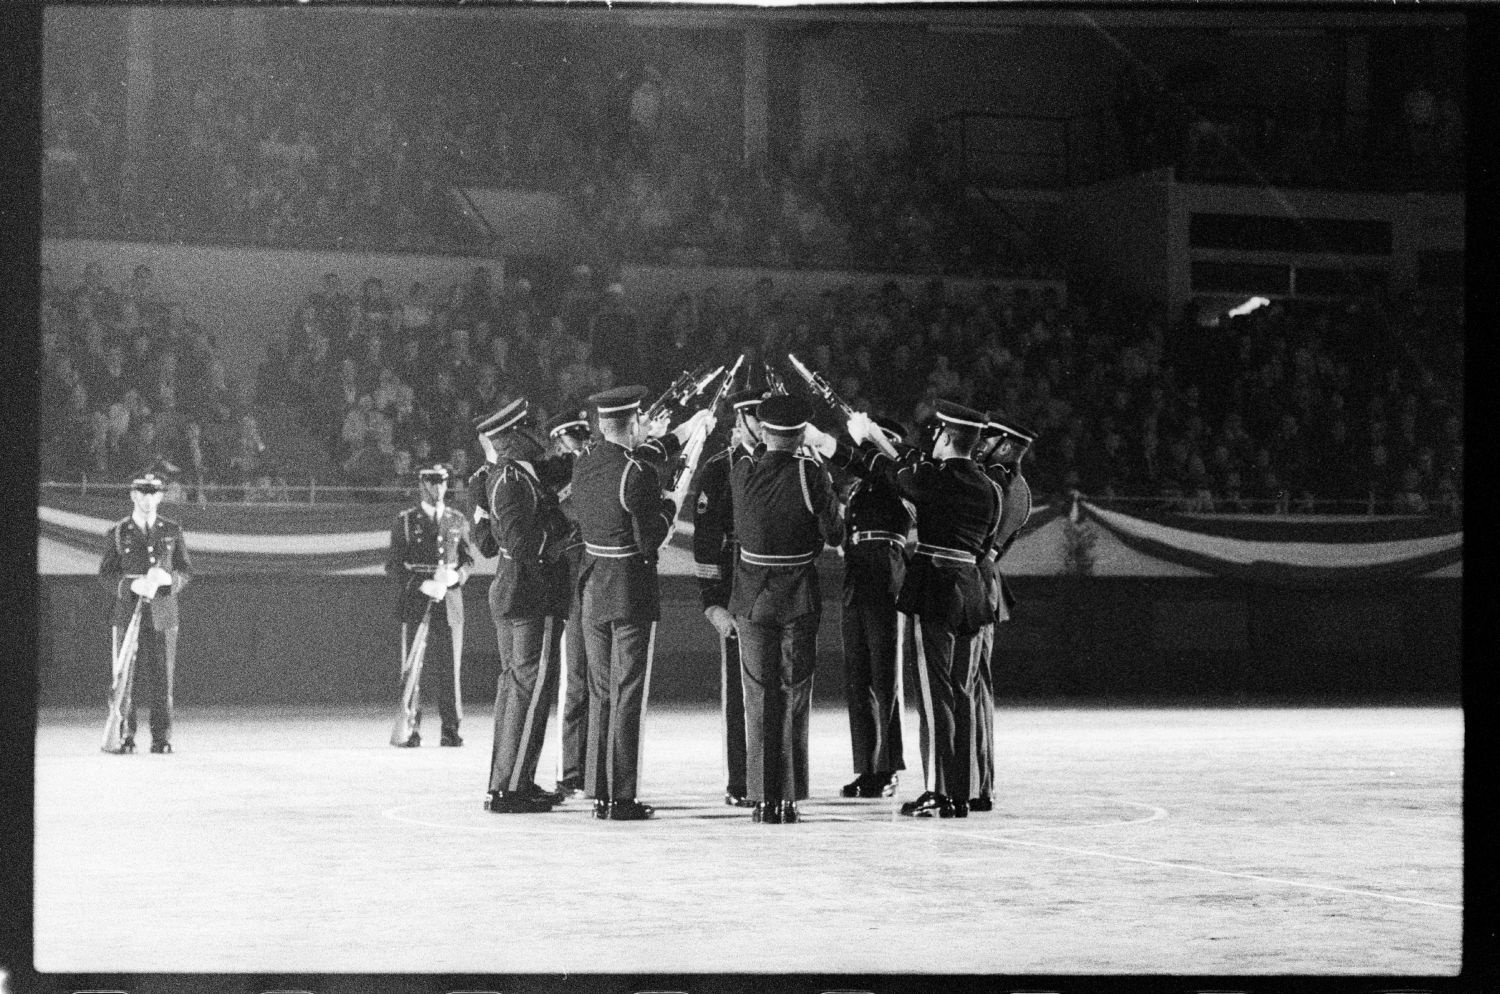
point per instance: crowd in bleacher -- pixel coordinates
(1352, 408)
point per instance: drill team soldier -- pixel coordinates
(146, 560)
(878, 521)
(713, 563)
(529, 598)
(957, 511)
(785, 510)
(569, 433)
(623, 518)
(1003, 465)
(429, 560)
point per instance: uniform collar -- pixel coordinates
(141, 522)
(434, 512)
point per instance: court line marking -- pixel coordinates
(1223, 873)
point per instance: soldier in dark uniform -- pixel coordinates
(785, 510)
(146, 558)
(569, 433)
(1003, 465)
(429, 559)
(529, 598)
(713, 563)
(878, 522)
(957, 511)
(624, 518)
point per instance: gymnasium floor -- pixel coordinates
(1304, 841)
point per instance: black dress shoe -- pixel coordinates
(601, 808)
(128, 745)
(787, 813)
(569, 787)
(766, 813)
(413, 742)
(981, 803)
(737, 800)
(542, 794)
(631, 810)
(158, 747)
(856, 787)
(932, 805)
(451, 739)
(503, 802)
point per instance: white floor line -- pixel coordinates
(1222, 873)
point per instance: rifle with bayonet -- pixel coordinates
(818, 385)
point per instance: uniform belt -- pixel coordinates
(876, 535)
(759, 559)
(945, 553)
(428, 567)
(612, 551)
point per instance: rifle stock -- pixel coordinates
(411, 672)
(122, 682)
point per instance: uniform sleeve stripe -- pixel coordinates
(704, 571)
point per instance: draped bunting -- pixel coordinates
(1288, 551)
(349, 538)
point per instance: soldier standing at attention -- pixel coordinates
(429, 559)
(878, 521)
(146, 558)
(957, 510)
(529, 598)
(624, 518)
(713, 563)
(569, 433)
(785, 510)
(1003, 465)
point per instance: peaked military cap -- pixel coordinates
(509, 416)
(570, 421)
(148, 483)
(782, 412)
(437, 473)
(747, 398)
(957, 414)
(999, 424)
(618, 401)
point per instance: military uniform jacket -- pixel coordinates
(877, 521)
(1012, 518)
(623, 519)
(958, 509)
(784, 512)
(129, 553)
(529, 533)
(713, 528)
(419, 545)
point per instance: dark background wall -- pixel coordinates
(331, 640)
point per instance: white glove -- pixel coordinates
(143, 587)
(861, 426)
(480, 514)
(721, 619)
(819, 441)
(657, 426)
(434, 589)
(685, 430)
(447, 576)
(158, 576)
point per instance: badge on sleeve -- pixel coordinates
(702, 501)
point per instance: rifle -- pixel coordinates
(683, 387)
(773, 379)
(692, 449)
(411, 674)
(122, 682)
(818, 385)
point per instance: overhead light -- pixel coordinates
(1254, 303)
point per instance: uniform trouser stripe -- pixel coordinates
(538, 689)
(732, 711)
(562, 706)
(640, 729)
(899, 697)
(929, 730)
(982, 770)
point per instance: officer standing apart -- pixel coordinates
(624, 518)
(785, 510)
(1003, 465)
(878, 522)
(957, 510)
(429, 559)
(529, 598)
(146, 557)
(568, 433)
(713, 563)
